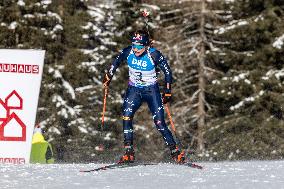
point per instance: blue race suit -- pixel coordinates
(143, 87)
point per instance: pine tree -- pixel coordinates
(248, 99)
(189, 40)
(57, 27)
(101, 46)
(62, 113)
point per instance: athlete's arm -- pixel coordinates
(115, 64)
(122, 56)
(161, 61)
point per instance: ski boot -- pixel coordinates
(128, 156)
(177, 155)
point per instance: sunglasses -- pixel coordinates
(139, 47)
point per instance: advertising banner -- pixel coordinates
(20, 79)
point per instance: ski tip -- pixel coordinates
(197, 166)
(193, 165)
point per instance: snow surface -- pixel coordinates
(248, 174)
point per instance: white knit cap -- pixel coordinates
(37, 129)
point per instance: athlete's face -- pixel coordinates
(138, 49)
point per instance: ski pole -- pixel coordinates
(104, 105)
(101, 145)
(170, 117)
(172, 125)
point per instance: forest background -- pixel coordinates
(227, 62)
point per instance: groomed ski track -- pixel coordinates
(245, 174)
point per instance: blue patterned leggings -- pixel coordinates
(132, 101)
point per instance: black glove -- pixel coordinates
(167, 96)
(107, 80)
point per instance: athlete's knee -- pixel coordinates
(158, 115)
(160, 124)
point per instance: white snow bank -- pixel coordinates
(246, 174)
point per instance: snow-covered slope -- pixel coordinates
(249, 174)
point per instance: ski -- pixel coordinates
(125, 165)
(192, 165)
(117, 165)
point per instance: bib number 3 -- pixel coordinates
(139, 76)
